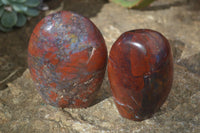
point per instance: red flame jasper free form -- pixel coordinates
(67, 58)
(140, 70)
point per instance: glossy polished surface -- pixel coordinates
(140, 70)
(67, 58)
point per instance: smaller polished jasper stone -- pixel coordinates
(67, 59)
(140, 70)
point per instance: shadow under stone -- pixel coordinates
(104, 92)
(87, 8)
(194, 5)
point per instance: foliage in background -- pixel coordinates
(133, 3)
(14, 13)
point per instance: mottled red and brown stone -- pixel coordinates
(67, 58)
(140, 70)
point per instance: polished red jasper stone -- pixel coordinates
(67, 58)
(140, 70)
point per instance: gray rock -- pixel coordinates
(23, 110)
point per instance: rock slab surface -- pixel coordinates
(23, 110)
